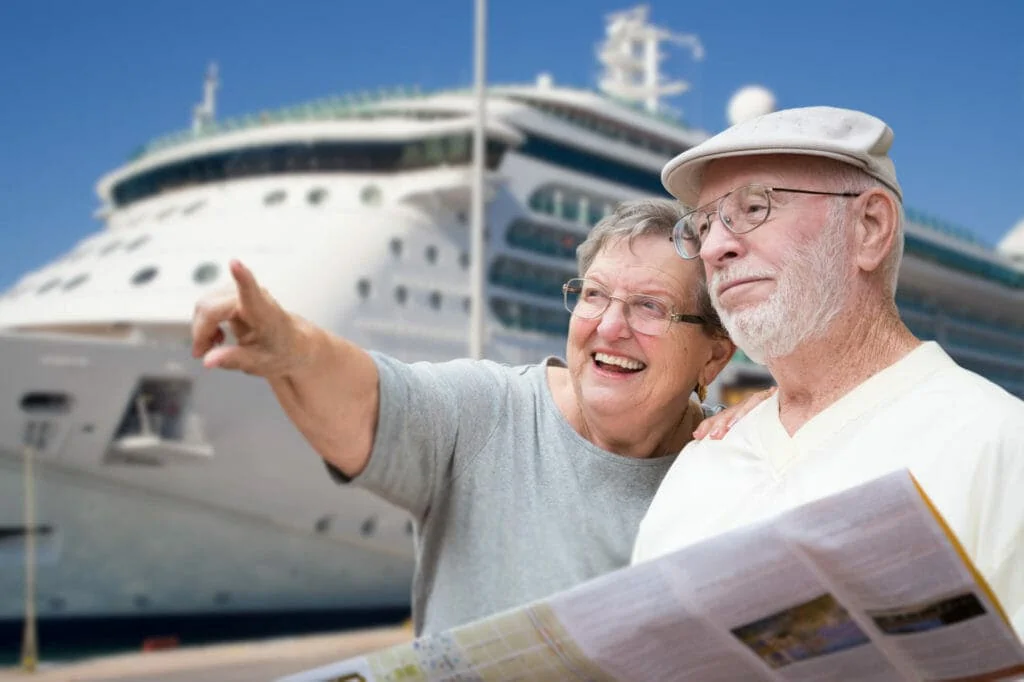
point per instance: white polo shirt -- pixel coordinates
(960, 435)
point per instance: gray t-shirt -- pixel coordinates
(511, 504)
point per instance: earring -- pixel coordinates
(702, 392)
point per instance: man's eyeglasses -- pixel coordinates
(742, 210)
(649, 315)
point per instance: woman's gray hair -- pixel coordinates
(641, 218)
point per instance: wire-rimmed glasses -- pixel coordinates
(742, 210)
(645, 314)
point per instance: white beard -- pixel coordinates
(809, 293)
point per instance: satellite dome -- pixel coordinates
(1012, 245)
(749, 102)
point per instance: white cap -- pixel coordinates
(852, 137)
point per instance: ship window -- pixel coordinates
(431, 254)
(464, 260)
(45, 401)
(401, 294)
(274, 198)
(144, 276)
(369, 527)
(460, 217)
(569, 204)
(205, 273)
(396, 247)
(369, 156)
(165, 213)
(527, 277)
(192, 208)
(591, 164)
(136, 243)
(370, 195)
(467, 304)
(435, 300)
(75, 281)
(110, 247)
(550, 241)
(363, 287)
(317, 196)
(48, 286)
(528, 317)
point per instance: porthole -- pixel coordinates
(363, 287)
(409, 528)
(109, 248)
(467, 305)
(396, 247)
(431, 254)
(193, 207)
(165, 213)
(144, 276)
(461, 217)
(401, 295)
(274, 198)
(464, 260)
(371, 195)
(136, 243)
(48, 286)
(369, 527)
(435, 300)
(316, 196)
(140, 601)
(205, 273)
(75, 281)
(46, 402)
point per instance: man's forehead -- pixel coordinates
(724, 175)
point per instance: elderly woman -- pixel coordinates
(522, 480)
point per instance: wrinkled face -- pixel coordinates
(615, 369)
(785, 282)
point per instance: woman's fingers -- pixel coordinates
(209, 313)
(718, 425)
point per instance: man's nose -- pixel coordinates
(720, 243)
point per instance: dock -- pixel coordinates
(256, 661)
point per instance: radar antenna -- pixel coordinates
(632, 60)
(203, 113)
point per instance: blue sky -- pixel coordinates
(85, 83)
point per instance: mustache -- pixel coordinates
(722, 278)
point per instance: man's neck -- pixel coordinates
(861, 343)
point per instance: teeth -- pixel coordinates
(624, 363)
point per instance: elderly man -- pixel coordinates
(799, 227)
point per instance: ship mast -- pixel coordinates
(477, 232)
(632, 59)
(204, 112)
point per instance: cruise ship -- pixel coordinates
(165, 493)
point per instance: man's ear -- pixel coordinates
(877, 226)
(722, 350)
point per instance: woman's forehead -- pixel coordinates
(644, 269)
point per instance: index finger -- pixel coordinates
(250, 294)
